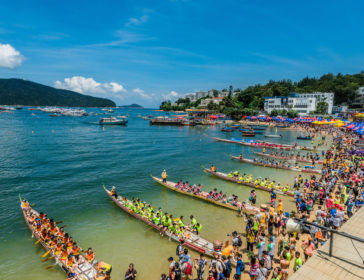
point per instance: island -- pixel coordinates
(132, 106)
(27, 93)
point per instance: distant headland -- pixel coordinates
(27, 93)
(132, 106)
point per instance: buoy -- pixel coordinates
(32, 131)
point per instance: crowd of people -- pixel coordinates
(272, 250)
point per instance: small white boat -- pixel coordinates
(113, 121)
(272, 135)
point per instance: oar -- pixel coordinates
(50, 266)
(46, 253)
(60, 222)
(47, 259)
(36, 242)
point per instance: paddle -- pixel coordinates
(37, 242)
(60, 222)
(46, 253)
(47, 259)
(50, 266)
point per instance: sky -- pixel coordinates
(144, 52)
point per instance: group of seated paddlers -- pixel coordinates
(62, 245)
(275, 163)
(309, 157)
(259, 182)
(164, 221)
(214, 195)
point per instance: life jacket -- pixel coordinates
(89, 257)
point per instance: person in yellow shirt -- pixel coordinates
(280, 206)
(164, 176)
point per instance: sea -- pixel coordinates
(59, 164)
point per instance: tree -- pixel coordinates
(322, 107)
(292, 114)
(274, 113)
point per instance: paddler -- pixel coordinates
(90, 255)
(164, 176)
(264, 150)
(197, 228)
(113, 192)
(213, 168)
(193, 222)
(103, 268)
(230, 175)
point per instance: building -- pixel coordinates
(359, 99)
(215, 100)
(328, 97)
(191, 97)
(200, 94)
(303, 103)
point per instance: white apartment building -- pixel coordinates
(205, 102)
(359, 99)
(200, 94)
(303, 103)
(191, 97)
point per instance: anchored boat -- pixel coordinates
(113, 121)
(85, 271)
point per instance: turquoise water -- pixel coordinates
(59, 164)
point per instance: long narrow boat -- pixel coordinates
(255, 144)
(85, 270)
(287, 158)
(249, 209)
(267, 145)
(306, 170)
(226, 177)
(193, 241)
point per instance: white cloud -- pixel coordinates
(10, 57)
(171, 96)
(137, 21)
(90, 86)
(142, 94)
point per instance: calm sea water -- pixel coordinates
(60, 164)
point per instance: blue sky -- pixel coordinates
(146, 51)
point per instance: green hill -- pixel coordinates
(22, 92)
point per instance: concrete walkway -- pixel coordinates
(345, 263)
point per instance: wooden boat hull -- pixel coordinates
(195, 242)
(252, 145)
(315, 171)
(287, 158)
(170, 185)
(86, 270)
(225, 177)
